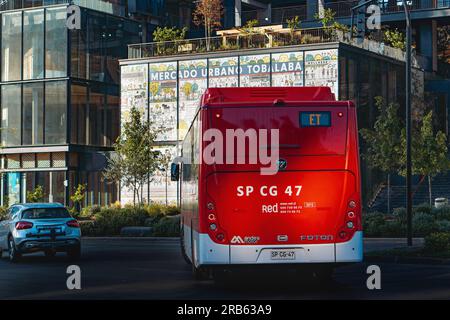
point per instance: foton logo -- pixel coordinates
(237, 240)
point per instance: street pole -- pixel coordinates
(409, 232)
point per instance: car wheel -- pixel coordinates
(50, 253)
(74, 253)
(14, 256)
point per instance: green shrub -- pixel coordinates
(442, 213)
(111, 221)
(373, 222)
(443, 225)
(3, 213)
(172, 210)
(90, 211)
(399, 215)
(423, 208)
(392, 229)
(88, 229)
(168, 226)
(423, 224)
(437, 242)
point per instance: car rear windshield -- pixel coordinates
(45, 213)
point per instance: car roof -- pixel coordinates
(38, 205)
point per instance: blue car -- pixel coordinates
(39, 227)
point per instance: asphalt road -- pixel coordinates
(145, 269)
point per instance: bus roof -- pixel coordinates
(275, 95)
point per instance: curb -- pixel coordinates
(408, 260)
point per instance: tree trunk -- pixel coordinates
(429, 190)
(389, 193)
(167, 202)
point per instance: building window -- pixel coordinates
(13, 161)
(96, 117)
(97, 34)
(58, 160)
(78, 114)
(11, 115)
(56, 43)
(43, 160)
(33, 114)
(112, 119)
(33, 44)
(11, 46)
(55, 112)
(78, 44)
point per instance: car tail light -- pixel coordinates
(73, 224)
(23, 225)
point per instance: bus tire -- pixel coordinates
(200, 274)
(324, 274)
(183, 247)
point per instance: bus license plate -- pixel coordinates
(283, 255)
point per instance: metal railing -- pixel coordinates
(231, 43)
(341, 8)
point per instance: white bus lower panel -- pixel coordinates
(211, 253)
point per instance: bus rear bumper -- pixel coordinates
(211, 253)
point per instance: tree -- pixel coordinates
(249, 30)
(35, 196)
(169, 34)
(384, 142)
(162, 35)
(134, 160)
(327, 20)
(293, 24)
(429, 151)
(395, 38)
(209, 14)
(165, 159)
(78, 197)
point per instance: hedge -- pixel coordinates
(426, 221)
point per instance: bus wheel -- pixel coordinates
(200, 273)
(222, 277)
(183, 248)
(324, 274)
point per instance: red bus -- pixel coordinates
(308, 211)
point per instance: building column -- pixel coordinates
(237, 13)
(321, 8)
(427, 44)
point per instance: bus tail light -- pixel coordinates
(213, 227)
(220, 237)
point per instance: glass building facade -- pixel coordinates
(168, 90)
(60, 110)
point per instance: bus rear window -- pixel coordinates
(302, 130)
